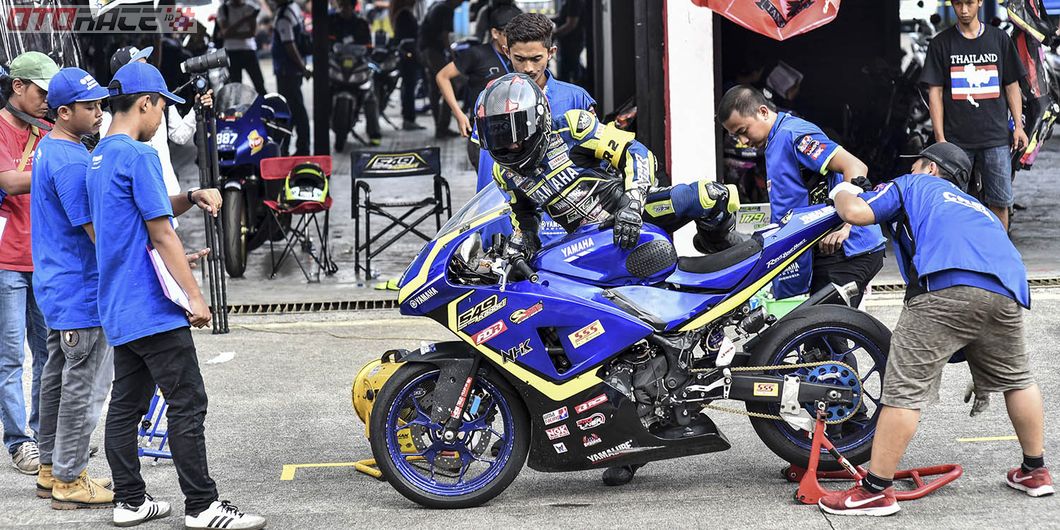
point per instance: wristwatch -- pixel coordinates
(190, 193)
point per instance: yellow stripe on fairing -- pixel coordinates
(555, 392)
(735, 300)
(421, 278)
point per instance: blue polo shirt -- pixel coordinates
(796, 150)
(958, 241)
(562, 96)
(64, 258)
(125, 190)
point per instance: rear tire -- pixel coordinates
(390, 409)
(234, 218)
(798, 328)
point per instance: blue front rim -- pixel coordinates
(860, 428)
(442, 468)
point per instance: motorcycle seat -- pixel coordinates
(719, 271)
(720, 261)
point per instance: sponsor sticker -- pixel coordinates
(591, 422)
(767, 389)
(521, 315)
(481, 311)
(559, 447)
(256, 141)
(815, 215)
(398, 162)
(557, 432)
(516, 352)
(590, 440)
(583, 336)
(580, 408)
(613, 452)
(485, 335)
(577, 248)
(555, 416)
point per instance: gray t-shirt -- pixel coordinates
(232, 14)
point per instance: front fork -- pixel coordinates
(455, 380)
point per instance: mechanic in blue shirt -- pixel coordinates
(131, 214)
(79, 369)
(802, 164)
(530, 49)
(966, 285)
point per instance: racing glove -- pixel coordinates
(628, 220)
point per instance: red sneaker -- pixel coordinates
(1037, 483)
(859, 501)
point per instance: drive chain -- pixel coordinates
(796, 366)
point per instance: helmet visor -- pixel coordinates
(500, 131)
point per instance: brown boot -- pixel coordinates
(45, 481)
(81, 493)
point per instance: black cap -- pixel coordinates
(127, 55)
(951, 159)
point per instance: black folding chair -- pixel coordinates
(405, 214)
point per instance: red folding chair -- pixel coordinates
(303, 219)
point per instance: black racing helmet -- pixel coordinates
(513, 121)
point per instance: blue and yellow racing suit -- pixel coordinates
(590, 170)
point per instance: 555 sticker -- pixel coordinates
(583, 336)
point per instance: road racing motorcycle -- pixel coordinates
(589, 356)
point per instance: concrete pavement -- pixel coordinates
(280, 395)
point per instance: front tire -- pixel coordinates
(234, 218)
(815, 334)
(419, 464)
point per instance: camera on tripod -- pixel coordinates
(199, 68)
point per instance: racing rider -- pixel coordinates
(555, 165)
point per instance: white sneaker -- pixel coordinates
(26, 459)
(222, 514)
(127, 515)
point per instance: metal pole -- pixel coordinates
(217, 269)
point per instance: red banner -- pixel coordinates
(777, 19)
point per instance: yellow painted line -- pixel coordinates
(1011, 438)
(289, 469)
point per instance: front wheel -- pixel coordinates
(833, 334)
(488, 452)
(234, 219)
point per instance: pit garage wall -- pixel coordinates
(689, 98)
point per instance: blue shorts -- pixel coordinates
(993, 167)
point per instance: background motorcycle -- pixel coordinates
(351, 75)
(250, 128)
(604, 357)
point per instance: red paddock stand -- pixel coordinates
(810, 490)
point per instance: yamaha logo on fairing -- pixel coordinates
(427, 295)
(612, 452)
(576, 248)
(808, 218)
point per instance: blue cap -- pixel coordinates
(72, 85)
(140, 78)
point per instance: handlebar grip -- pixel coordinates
(520, 266)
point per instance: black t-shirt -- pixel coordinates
(436, 24)
(355, 27)
(481, 64)
(405, 26)
(572, 9)
(973, 74)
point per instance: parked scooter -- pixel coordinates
(351, 74)
(250, 128)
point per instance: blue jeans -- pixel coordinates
(993, 167)
(21, 320)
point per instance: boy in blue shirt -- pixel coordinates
(966, 285)
(64, 283)
(152, 343)
(802, 164)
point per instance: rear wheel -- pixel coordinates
(234, 218)
(834, 334)
(489, 450)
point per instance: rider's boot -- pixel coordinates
(712, 236)
(620, 475)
